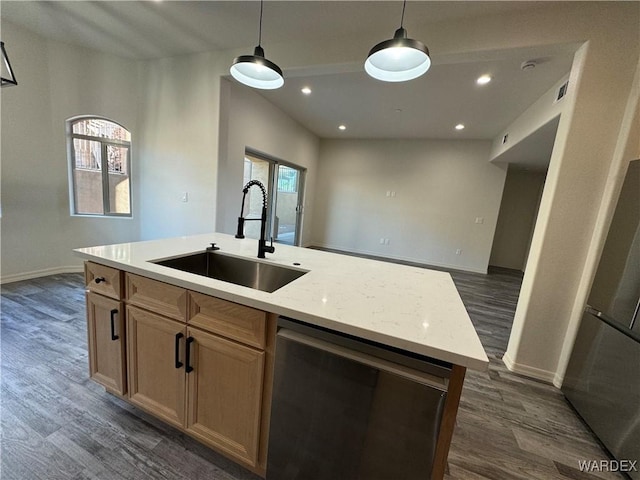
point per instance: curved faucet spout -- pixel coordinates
(246, 188)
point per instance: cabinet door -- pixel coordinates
(106, 341)
(225, 394)
(156, 350)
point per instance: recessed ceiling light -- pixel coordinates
(483, 80)
(306, 90)
(459, 126)
(342, 127)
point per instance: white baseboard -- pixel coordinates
(558, 380)
(399, 257)
(528, 371)
(17, 277)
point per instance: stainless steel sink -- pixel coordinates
(241, 271)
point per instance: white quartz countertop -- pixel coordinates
(411, 308)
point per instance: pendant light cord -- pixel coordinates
(404, 4)
(260, 28)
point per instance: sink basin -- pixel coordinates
(241, 271)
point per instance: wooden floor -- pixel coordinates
(57, 424)
(509, 426)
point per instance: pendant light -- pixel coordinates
(6, 68)
(255, 70)
(398, 59)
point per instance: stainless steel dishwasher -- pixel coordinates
(348, 409)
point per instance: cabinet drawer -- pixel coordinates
(106, 281)
(237, 322)
(157, 297)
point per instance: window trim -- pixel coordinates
(71, 162)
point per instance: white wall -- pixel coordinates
(518, 211)
(55, 82)
(541, 112)
(180, 111)
(588, 131)
(626, 150)
(440, 187)
(252, 122)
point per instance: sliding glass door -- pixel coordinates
(288, 205)
(285, 189)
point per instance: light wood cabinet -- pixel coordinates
(179, 373)
(155, 349)
(231, 320)
(104, 280)
(202, 364)
(106, 341)
(159, 297)
(225, 394)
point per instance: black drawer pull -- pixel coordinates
(100, 279)
(178, 362)
(188, 367)
(114, 312)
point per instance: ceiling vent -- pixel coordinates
(562, 91)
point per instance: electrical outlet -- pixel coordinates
(479, 219)
(386, 241)
(185, 197)
(459, 251)
(382, 241)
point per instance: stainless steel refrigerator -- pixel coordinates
(603, 376)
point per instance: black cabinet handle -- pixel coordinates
(100, 279)
(114, 312)
(188, 367)
(178, 362)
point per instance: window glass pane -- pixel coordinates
(117, 159)
(119, 194)
(96, 127)
(286, 205)
(287, 179)
(119, 183)
(87, 177)
(87, 154)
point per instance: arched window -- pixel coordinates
(99, 152)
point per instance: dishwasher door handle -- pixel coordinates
(433, 381)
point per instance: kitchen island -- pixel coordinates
(136, 307)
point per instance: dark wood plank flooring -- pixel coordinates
(510, 426)
(57, 424)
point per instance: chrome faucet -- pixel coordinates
(262, 243)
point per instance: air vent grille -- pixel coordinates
(562, 91)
